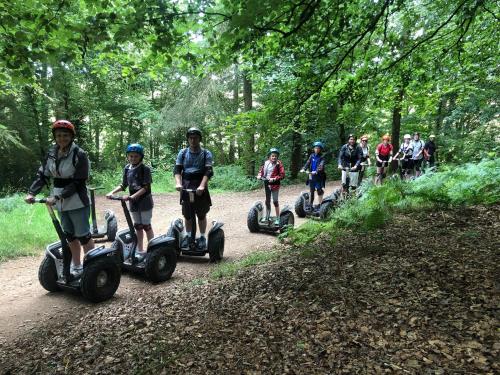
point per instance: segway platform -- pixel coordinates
(256, 221)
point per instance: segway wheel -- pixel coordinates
(47, 275)
(160, 264)
(299, 206)
(100, 279)
(253, 220)
(112, 229)
(326, 209)
(286, 221)
(216, 246)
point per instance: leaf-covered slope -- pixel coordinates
(418, 296)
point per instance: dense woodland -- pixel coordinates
(252, 74)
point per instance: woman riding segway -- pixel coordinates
(99, 275)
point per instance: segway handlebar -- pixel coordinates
(96, 188)
(39, 200)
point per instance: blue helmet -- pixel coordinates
(319, 144)
(273, 150)
(135, 147)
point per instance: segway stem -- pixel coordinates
(92, 211)
(62, 238)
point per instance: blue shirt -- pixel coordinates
(194, 162)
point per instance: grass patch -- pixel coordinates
(231, 268)
(461, 185)
(26, 228)
(226, 178)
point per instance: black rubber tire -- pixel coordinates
(216, 246)
(165, 256)
(47, 274)
(286, 221)
(299, 206)
(112, 229)
(88, 284)
(253, 220)
(326, 209)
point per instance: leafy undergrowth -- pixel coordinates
(418, 296)
(456, 186)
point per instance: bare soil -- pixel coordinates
(24, 304)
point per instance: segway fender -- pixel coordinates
(109, 215)
(216, 225)
(161, 242)
(54, 250)
(99, 252)
(286, 210)
(259, 206)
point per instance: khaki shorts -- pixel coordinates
(142, 217)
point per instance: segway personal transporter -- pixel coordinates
(303, 207)
(215, 240)
(256, 221)
(110, 226)
(160, 259)
(101, 271)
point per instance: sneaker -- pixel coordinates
(201, 243)
(277, 221)
(76, 271)
(264, 220)
(186, 241)
(140, 255)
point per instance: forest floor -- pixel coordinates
(417, 296)
(24, 304)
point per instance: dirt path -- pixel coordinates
(24, 303)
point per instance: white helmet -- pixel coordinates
(407, 136)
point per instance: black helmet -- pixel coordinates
(193, 131)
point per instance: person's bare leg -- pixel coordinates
(76, 252)
(150, 234)
(277, 209)
(88, 246)
(320, 199)
(140, 238)
(203, 225)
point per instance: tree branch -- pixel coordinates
(424, 40)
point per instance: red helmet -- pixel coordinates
(63, 124)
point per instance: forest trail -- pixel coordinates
(24, 304)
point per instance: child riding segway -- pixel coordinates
(270, 173)
(159, 260)
(316, 180)
(193, 169)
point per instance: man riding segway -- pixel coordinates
(193, 169)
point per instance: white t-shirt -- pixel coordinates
(268, 169)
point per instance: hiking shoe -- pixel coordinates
(277, 221)
(201, 243)
(140, 255)
(186, 241)
(76, 271)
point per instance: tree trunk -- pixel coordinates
(36, 121)
(250, 135)
(236, 105)
(97, 139)
(296, 159)
(396, 123)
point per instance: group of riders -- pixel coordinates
(353, 159)
(68, 166)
